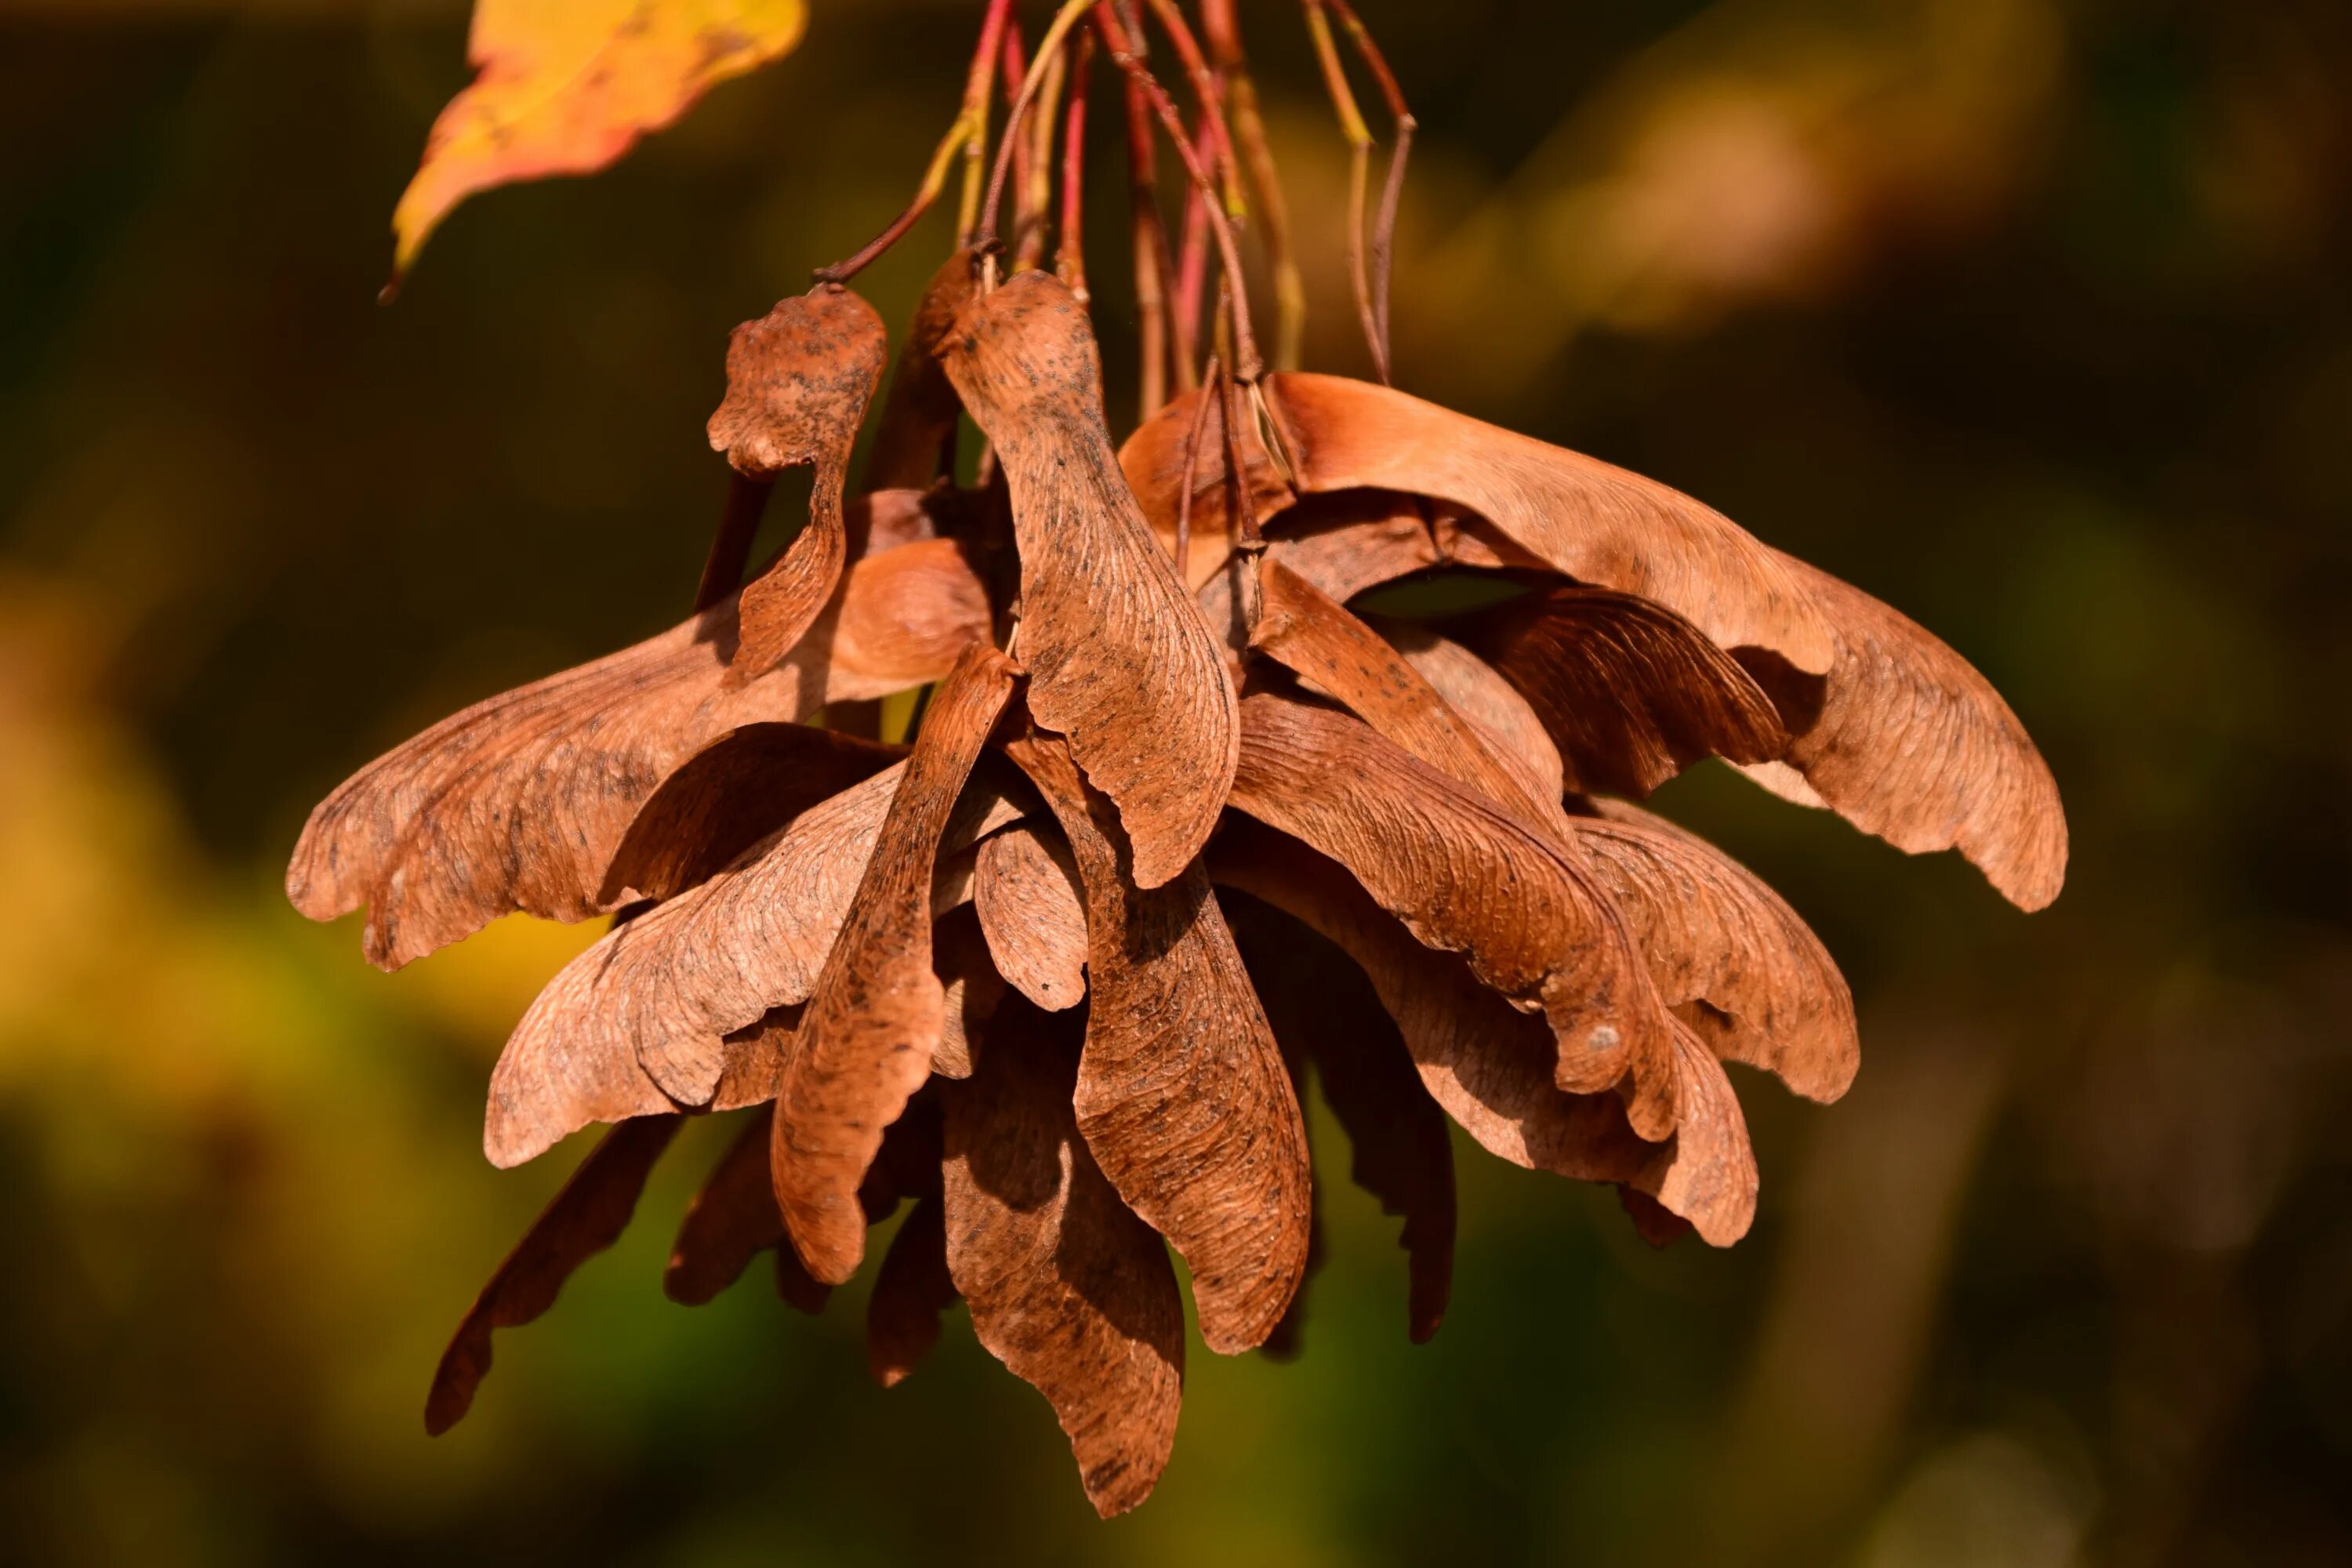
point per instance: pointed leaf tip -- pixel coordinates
(565, 87)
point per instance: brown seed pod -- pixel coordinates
(876, 1015)
(586, 1216)
(521, 802)
(1713, 932)
(1067, 1287)
(1597, 523)
(1476, 690)
(1631, 692)
(1906, 741)
(1120, 660)
(647, 1010)
(798, 381)
(1488, 1064)
(732, 1219)
(1470, 878)
(988, 976)
(1182, 1092)
(1326, 1013)
(1341, 656)
(1033, 913)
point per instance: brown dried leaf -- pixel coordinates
(1477, 691)
(734, 1216)
(1491, 1067)
(798, 381)
(729, 796)
(1706, 928)
(1912, 745)
(1631, 692)
(1182, 1092)
(1712, 1179)
(1310, 633)
(1471, 877)
(899, 620)
(1714, 932)
(876, 1015)
(1153, 459)
(1119, 659)
(520, 802)
(1343, 544)
(1598, 523)
(586, 1216)
(657, 995)
(1033, 914)
(752, 1061)
(1069, 1288)
(1325, 1011)
(910, 1292)
(517, 803)
(646, 1011)
(732, 1219)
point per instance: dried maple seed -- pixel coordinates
(877, 1013)
(798, 381)
(1120, 660)
(1182, 825)
(1182, 1093)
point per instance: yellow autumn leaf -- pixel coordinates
(565, 87)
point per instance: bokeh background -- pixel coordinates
(2028, 315)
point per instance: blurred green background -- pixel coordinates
(2028, 315)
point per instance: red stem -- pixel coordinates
(1248, 367)
(1070, 261)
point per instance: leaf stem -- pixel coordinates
(1370, 273)
(1248, 127)
(969, 134)
(1155, 266)
(1248, 367)
(1192, 467)
(976, 89)
(983, 238)
(1070, 258)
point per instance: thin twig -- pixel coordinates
(1149, 242)
(1359, 164)
(969, 124)
(1036, 198)
(1384, 229)
(1248, 126)
(984, 237)
(1383, 243)
(1013, 72)
(1241, 514)
(1070, 258)
(1374, 61)
(977, 86)
(1155, 268)
(1208, 98)
(1193, 264)
(1213, 144)
(934, 180)
(1248, 367)
(1192, 467)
